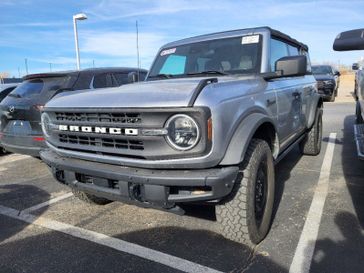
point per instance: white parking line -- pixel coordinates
(104, 240)
(47, 203)
(302, 259)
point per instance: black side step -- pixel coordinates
(199, 88)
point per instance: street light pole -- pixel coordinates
(80, 16)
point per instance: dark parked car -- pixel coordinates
(347, 41)
(20, 111)
(5, 89)
(328, 80)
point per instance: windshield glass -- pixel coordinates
(33, 87)
(238, 55)
(321, 70)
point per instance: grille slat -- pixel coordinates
(102, 142)
(117, 118)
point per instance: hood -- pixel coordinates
(161, 93)
(323, 77)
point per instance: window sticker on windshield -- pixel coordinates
(252, 39)
(168, 51)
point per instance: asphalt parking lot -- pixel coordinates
(317, 227)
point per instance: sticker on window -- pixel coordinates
(168, 51)
(253, 39)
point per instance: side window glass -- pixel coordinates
(122, 78)
(278, 50)
(308, 60)
(100, 81)
(110, 82)
(293, 51)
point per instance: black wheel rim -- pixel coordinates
(261, 189)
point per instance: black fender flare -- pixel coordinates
(242, 136)
(317, 102)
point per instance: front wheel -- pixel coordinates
(311, 144)
(246, 216)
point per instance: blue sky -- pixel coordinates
(41, 30)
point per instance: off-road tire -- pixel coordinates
(3, 151)
(89, 198)
(311, 143)
(236, 216)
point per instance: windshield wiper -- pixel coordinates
(207, 72)
(14, 95)
(166, 76)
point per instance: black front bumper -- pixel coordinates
(144, 187)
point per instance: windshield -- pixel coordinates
(321, 70)
(33, 87)
(238, 55)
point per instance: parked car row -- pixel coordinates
(20, 111)
(328, 80)
(214, 115)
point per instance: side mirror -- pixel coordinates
(337, 73)
(349, 40)
(292, 66)
(133, 77)
(355, 66)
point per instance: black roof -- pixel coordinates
(231, 33)
(97, 70)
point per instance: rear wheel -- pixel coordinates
(89, 198)
(311, 144)
(246, 216)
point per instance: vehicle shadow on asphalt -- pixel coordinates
(353, 168)
(341, 255)
(19, 197)
(345, 254)
(283, 173)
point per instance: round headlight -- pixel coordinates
(46, 124)
(183, 132)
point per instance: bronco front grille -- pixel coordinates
(123, 118)
(102, 142)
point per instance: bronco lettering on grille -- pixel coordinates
(99, 130)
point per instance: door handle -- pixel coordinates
(270, 102)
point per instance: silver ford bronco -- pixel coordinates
(213, 117)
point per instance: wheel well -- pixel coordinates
(267, 132)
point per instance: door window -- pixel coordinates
(278, 49)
